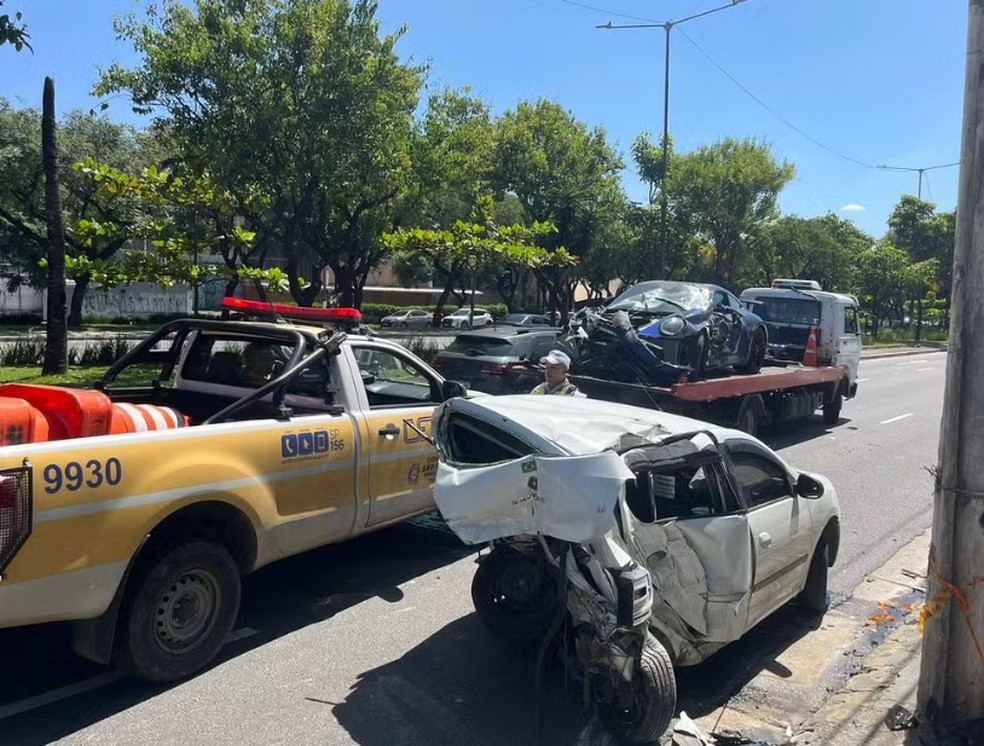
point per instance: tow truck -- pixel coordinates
(819, 373)
(213, 448)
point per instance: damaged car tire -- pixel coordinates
(515, 596)
(756, 354)
(813, 598)
(698, 358)
(653, 698)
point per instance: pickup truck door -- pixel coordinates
(400, 396)
(780, 527)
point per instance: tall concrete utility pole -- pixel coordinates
(951, 682)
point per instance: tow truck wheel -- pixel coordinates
(515, 596)
(832, 409)
(181, 607)
(653, 698)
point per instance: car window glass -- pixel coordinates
(681, 492)
(236, 361)
(850, 320)
(760, 479)
(391, 380)
(151, 365)
(477, 344)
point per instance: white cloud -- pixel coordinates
(852, 207)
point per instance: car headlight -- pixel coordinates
(672, 325)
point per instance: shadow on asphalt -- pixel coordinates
(702, 689)
(277, 600)
(785, 434)
(461, 686)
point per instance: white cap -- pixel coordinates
(557, 357)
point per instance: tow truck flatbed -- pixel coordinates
(746, 401)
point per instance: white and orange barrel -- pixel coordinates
(20, 422)
(141, 418)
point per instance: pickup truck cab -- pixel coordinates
(212, 449)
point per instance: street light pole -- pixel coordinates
(667, 26)
(920, 171)
(951, 679)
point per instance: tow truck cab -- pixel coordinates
(790, 312)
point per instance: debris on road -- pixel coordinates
(900, 718)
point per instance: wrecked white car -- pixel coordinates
(658, 539)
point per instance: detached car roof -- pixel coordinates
(565, 425)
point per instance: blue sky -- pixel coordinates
(880, 81)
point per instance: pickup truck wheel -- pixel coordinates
(653, 698)
(515, 596)
(832, 409)
(813, 598)
(182, 606)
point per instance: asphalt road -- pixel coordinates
(375, 642)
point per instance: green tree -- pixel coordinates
(302, 101)
(566, 174)
(924, 233)
(660, 249)
(729, 190)
(22, 201)
(481, 246)
(826, 249)
(13, 31)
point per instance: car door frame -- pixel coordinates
(780, 532)
(415, 458)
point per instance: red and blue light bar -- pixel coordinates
(302, 313)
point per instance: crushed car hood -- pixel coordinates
(562, 425)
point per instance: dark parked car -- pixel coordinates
(657, 331)
(491, 360)
(526, 319)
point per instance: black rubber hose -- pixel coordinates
(555, 626)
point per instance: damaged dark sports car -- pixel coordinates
(659, 332)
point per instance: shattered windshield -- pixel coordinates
(661, 297)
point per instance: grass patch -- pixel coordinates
(75, 377)
(897, 337)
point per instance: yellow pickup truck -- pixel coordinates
(213, 448)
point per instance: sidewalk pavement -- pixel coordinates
(873, 353)
(835, 685)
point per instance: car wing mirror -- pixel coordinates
(807, 486)
(453, 389)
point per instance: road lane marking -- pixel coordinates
(862, 380)
(923, 370)
(57, 695)
(914, 362)
(87, 685)
(896, 419)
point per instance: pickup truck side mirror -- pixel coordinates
(452, 389)
(807, 486)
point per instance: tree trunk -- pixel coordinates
(78, 297)
(56, 338)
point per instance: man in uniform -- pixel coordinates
(555, 367)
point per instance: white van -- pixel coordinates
(789, 314)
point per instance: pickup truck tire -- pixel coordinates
(180, 608)
(813, 598)
(832, 409)
(515, 596)
(654, 698)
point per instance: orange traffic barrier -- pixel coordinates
(21, 423)
(71, 413)
(139, 418)
(810, 356)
